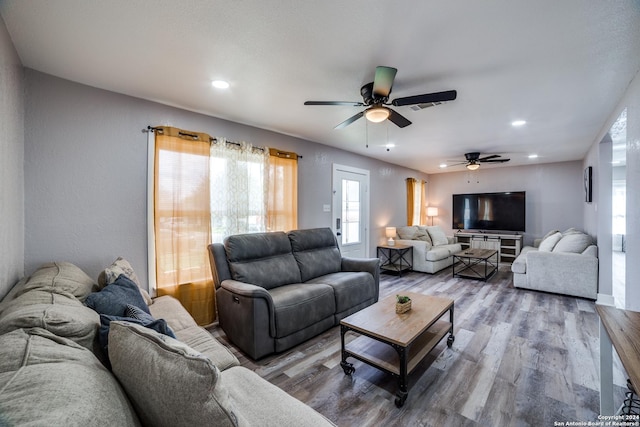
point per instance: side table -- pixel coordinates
(397, 258)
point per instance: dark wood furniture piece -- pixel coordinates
(396, 343)
(473, 263)
(622, 329)
(397, 258)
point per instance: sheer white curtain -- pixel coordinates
(239, 184)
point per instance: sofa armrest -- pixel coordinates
(369, 265)
(247, 290)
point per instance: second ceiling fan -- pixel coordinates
(375, 95)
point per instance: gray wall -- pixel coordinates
(11, 161)
(85, 173)
(554, 193)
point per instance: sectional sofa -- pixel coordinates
(54, 372)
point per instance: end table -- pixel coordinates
(397, 258)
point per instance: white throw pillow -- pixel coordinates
(437, 235)
(574, 242)
(550, 242)
(407, 233)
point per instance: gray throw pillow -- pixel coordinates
(168, 382)
(407, 232)
(573, 242)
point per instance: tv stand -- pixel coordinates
(508, 245)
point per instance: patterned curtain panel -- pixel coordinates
(239, 188)
(282, 195)
(182, 220)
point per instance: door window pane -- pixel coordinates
(350, 211)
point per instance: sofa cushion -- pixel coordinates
(316, 252)
(118, 267)
(264, 404)
(168, 308)
(59, 278)
(573, 242)
(70, 320)
(301, 305)
(550, 242)
(407, 232)
(168, 383)
(437, 253)
(202, 341)
(113, 299)
(52, 381)
(349, 288)
(437, 235)
(262, 259)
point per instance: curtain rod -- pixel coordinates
(278, 153)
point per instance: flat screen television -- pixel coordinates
(489, 211)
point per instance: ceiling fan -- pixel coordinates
(473, 160)
(375, 95)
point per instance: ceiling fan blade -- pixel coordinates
(426, 98)
(398, 119)
(493, 156)
(495, 161)
(350, 120)
(348, 103)
(383, 81)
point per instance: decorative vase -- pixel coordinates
(403, 307)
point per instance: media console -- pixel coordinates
(507, 245)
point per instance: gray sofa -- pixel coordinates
(52, 371)
(276, 290)
(563, 263)
(432, 250)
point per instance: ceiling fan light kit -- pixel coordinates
(473, 160)
(375, 95)
(473, 166)
(377, 114)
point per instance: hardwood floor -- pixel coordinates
(519, 358)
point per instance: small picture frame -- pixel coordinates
(588, 184)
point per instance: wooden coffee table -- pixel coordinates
(396, 343)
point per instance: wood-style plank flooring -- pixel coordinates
(520, 358)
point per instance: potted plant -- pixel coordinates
(403, 304)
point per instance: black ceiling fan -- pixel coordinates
(375, 95)
(473, 160)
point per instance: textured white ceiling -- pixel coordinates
(561, 65)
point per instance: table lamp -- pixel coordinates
(390, 232)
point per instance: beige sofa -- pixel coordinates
(52, 371)
(563, 263)
(432, 249)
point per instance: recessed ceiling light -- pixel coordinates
(517, 123)
(390, 145)
(443, 165)
(533, 156)
(220, 84)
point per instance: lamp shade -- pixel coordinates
(390, 232)
(473, 166)
(377, 114)
(432, 211)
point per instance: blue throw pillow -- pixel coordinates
(112, 300)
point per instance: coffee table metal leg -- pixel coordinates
(402, 394)
(346, 367)
(451, 337)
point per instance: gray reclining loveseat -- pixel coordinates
(276, 290)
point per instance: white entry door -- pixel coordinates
(351, 210)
